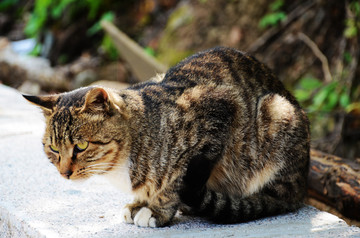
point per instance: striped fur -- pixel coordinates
(218, 134)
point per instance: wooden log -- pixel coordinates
(336, 182)
(16, 69)
(24, 72)
(143, 65)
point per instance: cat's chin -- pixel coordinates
(78, 180)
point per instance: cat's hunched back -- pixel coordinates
(218, 136)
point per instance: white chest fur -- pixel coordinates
(120, 178)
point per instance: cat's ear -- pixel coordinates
(100, 100)
(46, 103)
(97, 99)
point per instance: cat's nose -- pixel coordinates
(67, 174)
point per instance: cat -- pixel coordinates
(217, 136)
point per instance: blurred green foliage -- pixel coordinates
(167, 54)
(47, 10)
(107, 16)
(353, 22)
(274, 16)
(53, 24)
(106, 43)
(6, 4)
(323, 102)
(57, 15)
(319, 97)
(36, 50)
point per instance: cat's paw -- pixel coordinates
(126, 215)
(186, 210)
(144, 218)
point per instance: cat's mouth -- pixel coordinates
(82, 173)
(75, 176)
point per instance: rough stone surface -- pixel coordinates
(36, 202)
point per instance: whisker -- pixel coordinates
(104, 166)
(93, 172)
(100, 164)
(107, 165)
(99, 168)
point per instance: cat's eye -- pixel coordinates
(82, 146)
(54, 148)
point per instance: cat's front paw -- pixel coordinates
(126, 215)
(141, 214)
(144, 218)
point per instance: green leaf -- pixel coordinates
(34, 25)
(319, 98)
(108, 16)
(150, 51)
(302, 95)
(331, 101)
(41, 7)
(109, 48)
(271, 19)
(355, 7)
(344, 100)
(276, 5)
(347, 57)
(323, 93)
(351, 29)
(38, 18)
(36, 50)
(94, 7)
(310, 83)
(60, 8)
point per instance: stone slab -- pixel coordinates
(36, 202)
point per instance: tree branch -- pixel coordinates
(317, 52)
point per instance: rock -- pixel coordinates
(84, 78)
(30, 88)
(110, 84)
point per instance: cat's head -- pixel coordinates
(85, 131)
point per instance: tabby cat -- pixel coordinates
(217, 136)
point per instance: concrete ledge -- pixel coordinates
(36, 202)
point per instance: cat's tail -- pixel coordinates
(224, 208)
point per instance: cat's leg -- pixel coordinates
(155, 212)
(160, 209)
(130, 210)
(194, 182)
